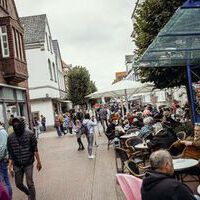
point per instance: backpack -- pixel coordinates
(84, 129)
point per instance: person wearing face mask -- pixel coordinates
(159, 184)
(22, 150)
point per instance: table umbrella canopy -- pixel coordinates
(123, 88)
(178, 43)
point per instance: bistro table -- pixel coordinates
(127, 136)
(198, 189)
(184, 163)
(141, 146)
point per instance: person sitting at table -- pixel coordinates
(192, 144)
(158, 183)
(162, 139)
(147, 129)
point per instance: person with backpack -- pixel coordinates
(89, 125)
(4, 179)
(78, 132)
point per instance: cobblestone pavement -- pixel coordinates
(68, 174)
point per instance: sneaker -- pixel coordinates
(91, 157)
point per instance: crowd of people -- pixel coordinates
(18, 149)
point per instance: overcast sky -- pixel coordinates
(91, 33)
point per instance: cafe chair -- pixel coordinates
(181, 135)
(176, 149)
(133, 141)
(123, 156)
(134, 168)
(130, 185)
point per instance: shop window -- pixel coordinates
(8, 93)
(1, 113)
(4, 42)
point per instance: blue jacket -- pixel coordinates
(3, 142)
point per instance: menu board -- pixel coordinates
(197, 97)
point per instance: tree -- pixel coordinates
(79, 85)
(151, 17)
(93, 87)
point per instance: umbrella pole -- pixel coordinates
(122, 107)
(126, 98)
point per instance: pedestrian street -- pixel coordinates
(68, 174)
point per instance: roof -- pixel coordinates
(34, 28)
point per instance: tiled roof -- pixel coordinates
(34, 28)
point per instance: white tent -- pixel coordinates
(124, 88)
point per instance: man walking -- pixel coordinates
(22, 149)
(103, 117)
(4, 179)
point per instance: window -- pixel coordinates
(22, 47)
(17, 44)
(14, 42)
(47, 39)
(3, 4)
(50, 70)
(50, 42)
(4, 42)
(54, 71)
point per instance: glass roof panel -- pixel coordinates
(178, 43)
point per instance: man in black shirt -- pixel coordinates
(158, 183)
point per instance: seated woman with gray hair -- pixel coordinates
(162, 139)
(147, 130)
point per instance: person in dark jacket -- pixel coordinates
(22, 149)
(158, 183)
(162, 139)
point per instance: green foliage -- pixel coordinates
(92, 87)
(151, 17)
(79, 85)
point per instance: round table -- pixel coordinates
(198, 189)
(141, 146)
(127, 136)
(184, 163)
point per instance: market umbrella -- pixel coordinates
(124, 88)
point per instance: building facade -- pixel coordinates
(46, 82)
(14, 93)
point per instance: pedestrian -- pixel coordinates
(23, 150)
(36, 126)
(159, 184)
(66, 123)
(57, 125)
(70, 125)
(79, 134)
(103, 117)
(89, 125)
(4, 178)
(62, 120)
(43, 122)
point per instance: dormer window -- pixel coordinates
(3, 3)
(4, 42)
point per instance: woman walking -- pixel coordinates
(89, 127)
(78, 135)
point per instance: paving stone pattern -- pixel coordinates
(68, 174)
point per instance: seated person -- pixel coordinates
(192, 144)
(158, 183)
(162, 139)
(110, 131)
(147, 129)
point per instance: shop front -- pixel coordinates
(13, 102)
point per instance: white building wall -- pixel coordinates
(44, 108)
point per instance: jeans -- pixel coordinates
(58, 131)
(4, 176)
(19, 175)
(90, 140)
(103, 122)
